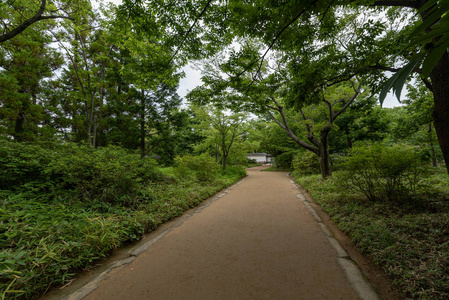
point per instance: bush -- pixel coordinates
(236, 172)
(202, 167)
(284, 160)
(306, 162)
(110, 174)
(21, 163)
(382, 172)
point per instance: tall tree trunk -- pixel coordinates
(348, 139)
(216, 152)
(94, 141)
(324, 159)
(224, 162)
(440, 90)
(432, 147)
(19, 128)
(142, 125)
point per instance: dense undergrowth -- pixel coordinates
(62, 207)
(407, 238)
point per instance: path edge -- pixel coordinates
(358, 281)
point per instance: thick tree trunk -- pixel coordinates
(440, 89)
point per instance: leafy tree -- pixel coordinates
(222, 131)
(26, 62)
(413, 122)
(364, 120)
(347, 38)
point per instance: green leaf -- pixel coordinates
(434, 56)
(387, 87)
(397, 81)
(432, 18)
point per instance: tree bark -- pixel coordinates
(325, 165)
(432, 147)
(440, 85)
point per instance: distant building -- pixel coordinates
(262, 158)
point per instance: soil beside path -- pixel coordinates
(258, 241)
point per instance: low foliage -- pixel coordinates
(202, 167)
(408, 240)
(306, 162)
(110, 174)
(383, 172)
(51, 230)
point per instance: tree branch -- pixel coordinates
(190, 29)
(357, 92)
(402, 3)
(284, 125)
(25, 24)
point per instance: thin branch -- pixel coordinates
(190, 29)
(357, 92)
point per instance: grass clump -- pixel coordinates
(408, 239)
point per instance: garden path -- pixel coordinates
(256, 241)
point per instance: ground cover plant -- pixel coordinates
(407, 238)
(58, 218)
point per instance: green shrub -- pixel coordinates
(382, 172)
(201, 167)
(284, 160)
(110, 174)
(21, 163)
(236, 172)
(306, 162)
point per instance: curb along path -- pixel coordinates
(259, 239)
(352, 272)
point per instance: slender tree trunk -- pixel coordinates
(440, 90)
(432, 147)
(216, 152)
(348, 139)
(324, 159)
(94, 141)
(142, 125)
(224, 162)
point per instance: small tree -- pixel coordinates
(318, 120)
(221, 130)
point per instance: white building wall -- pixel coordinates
(258, 158)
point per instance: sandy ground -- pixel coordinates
(257, 242)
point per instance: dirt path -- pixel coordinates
(258, 241)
